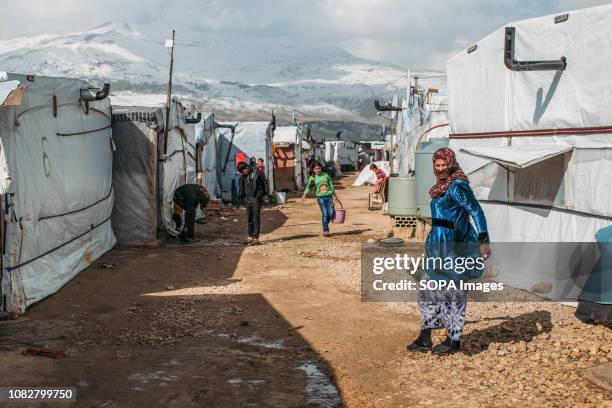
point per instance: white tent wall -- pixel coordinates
(191, 154)
(252, 138)
(565, 198)
(178, 163)
(534, 100)
(57, 174)
(574, 181)
(205, 135)
(319, 152)
(488, 97)
(329, 153)
(346, 153)
(300, 168)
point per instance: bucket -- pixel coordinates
(339, 214)
(281, 197)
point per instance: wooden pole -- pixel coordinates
(169, 96)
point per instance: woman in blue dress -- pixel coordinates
(452, 236)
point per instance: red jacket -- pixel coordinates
(380, 174)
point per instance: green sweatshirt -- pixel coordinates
(323, 183)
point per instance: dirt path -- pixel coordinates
(281, 324)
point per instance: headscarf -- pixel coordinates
(446, 177)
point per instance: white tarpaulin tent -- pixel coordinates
(488, 97)
(499, 114)
(367, 176)
(343, 153)
(252, 138)
(55, 177)
(144, 177)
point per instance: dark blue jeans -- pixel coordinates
(327, 210)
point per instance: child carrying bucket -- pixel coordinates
(324, 190)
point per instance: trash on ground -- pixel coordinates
(43, 352)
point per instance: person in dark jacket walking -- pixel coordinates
(253, 189)
(187, 198)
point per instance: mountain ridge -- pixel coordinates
(230, 74)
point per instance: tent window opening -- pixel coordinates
(539, 183)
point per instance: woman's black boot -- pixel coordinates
(423, 343)
(448, 346)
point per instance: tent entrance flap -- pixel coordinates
(518, 156)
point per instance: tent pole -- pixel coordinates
(169, 96)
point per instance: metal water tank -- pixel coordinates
(402, 196)
(424, 174)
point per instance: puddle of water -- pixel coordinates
(319, 389)
(236, 381)
(258, 341)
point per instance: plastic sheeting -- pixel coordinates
(178, 164)
(424, 116)
(57, 171)
(564, 198)
(252, 138)
(286, 135)
(367, 176)
(576, 176)
(515, 223)
(485, 96)
(136, 132)
(518, 156)
(134, 128)
(342, 152)
(205, 136)
(488, 97)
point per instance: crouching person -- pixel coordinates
(186, 199)
(253, 189)
(381, 178)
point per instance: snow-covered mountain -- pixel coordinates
(232, 75)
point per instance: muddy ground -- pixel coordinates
(218, 324)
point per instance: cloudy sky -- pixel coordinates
(415, 33)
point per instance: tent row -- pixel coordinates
(78, 175)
